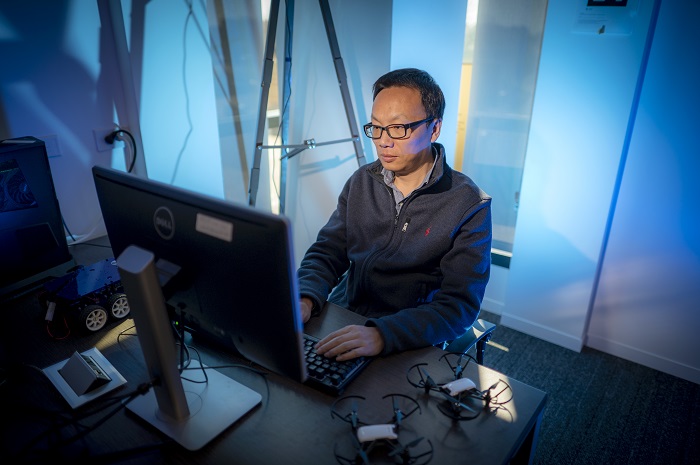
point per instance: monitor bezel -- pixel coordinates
(266, 328)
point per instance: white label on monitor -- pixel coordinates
(214, 227)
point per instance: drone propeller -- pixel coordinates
(493, 399)
(456, 409)
(404, 453)
(352, 416)
(360, 452)
(400, 414)
(457, 402)
(425, 381)
(461, 363)
(399, 449)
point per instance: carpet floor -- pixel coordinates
(600, 409)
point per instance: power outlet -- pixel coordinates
(100, 143)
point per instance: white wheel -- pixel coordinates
(118, 305)
(93, 317)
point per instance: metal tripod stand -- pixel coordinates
(267, 79)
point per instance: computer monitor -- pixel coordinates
(33, 246)
(225, 270)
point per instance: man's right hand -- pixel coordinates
(306, 306)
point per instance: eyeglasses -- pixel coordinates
(395, 131)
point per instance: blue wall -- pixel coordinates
(605, 252)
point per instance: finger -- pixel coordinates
(327, 344)
(333, 339)
(348, 355)
(335, 348)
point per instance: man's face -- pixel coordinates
(401, 105)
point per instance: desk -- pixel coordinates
(293, 424)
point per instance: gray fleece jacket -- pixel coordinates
(418, 276)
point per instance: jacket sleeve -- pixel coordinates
(455, 306)
(326, 259)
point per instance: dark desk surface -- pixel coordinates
(293, 424)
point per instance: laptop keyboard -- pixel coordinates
(327, 374)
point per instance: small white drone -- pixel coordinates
(462, 399)
(369, 439)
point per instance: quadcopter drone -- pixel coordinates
(461, 398)
(369, 439)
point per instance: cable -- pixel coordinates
(178, 159)
(70, 234)
(109, 138)
(74, 420)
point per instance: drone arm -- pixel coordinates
(429, 382)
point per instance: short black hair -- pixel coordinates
(431, 95)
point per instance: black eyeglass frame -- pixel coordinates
(368, 128)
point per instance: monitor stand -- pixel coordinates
(213, 407)
(189, 412)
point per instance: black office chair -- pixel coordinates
(478, 335)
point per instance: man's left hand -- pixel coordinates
(351, 342)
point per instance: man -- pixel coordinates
(409, 244)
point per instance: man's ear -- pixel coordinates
(436, 130)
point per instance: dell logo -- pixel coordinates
(164, 222)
